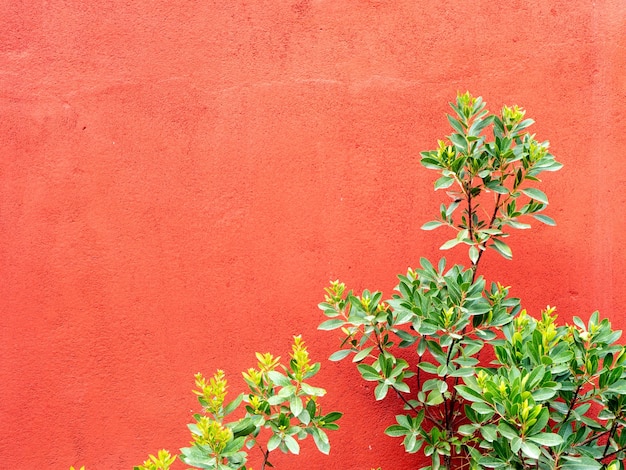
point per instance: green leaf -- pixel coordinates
(407, 338)
(321, 440)
(618, 387)
(473, 254)
(487, 335)
(362, 354)
(304, 417)
(332, 417)
(516, 444)
(434, 398)
(459, 141)
(502, 248)
(233, 405)
(536, 194)
(482, 408)
(496, 188)
(450, 244)
(546, 439)
(580, 463)
(489, 432)
(278, 378)
(470, 394)
(291, 444)
(430, 163)
(397, 431)
(368, 372)
(542, 420)
(479, 125)
(492, 462)
(462, 372)
(339, 355)
(276, 399)
(315, 368)
(466, 361)
(332, 324)
(243, 427)
(235, 445)
(444, 182)
(516, 224)
(456, 124)
(545, 219)
(197, 457)
(428, 367)
(467, 429)
(543, 394)
(523, 125)
(432, 225)
(312, 391)
(295, 405)
(273, 442)
(381, 391)
(531, 450)
(507, 430)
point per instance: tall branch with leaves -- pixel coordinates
(529, 408)
(489, 180)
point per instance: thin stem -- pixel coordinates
(470, 211)
(608, 441)
(401, 396)
(614, 453)
(427, 415)
(450, 417)
(449, 412)
(266, 456)
(592, 438)
(484, 244)
(572, 403)
(445, 414)
(417, 375)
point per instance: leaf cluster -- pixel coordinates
(487, 179)
(484, 384)
(162, 461)
(280, 401)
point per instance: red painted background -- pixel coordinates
(180, 180)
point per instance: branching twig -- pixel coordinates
(266, 456)
(572, 403)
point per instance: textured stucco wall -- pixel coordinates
(180, 180)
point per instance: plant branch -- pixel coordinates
(449, 413)
(572, 403)
(426, 414)
(496, 207)
(613, 453)
(469, 210)
(592, 438)
(402, 397)
(608, 441)
(266, 455)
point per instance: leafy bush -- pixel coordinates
(280, 400)
(488, 385)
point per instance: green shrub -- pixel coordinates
(487, 386)
(280, 402)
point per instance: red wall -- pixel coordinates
(180, 180)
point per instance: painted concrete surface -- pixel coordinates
(180, 180)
